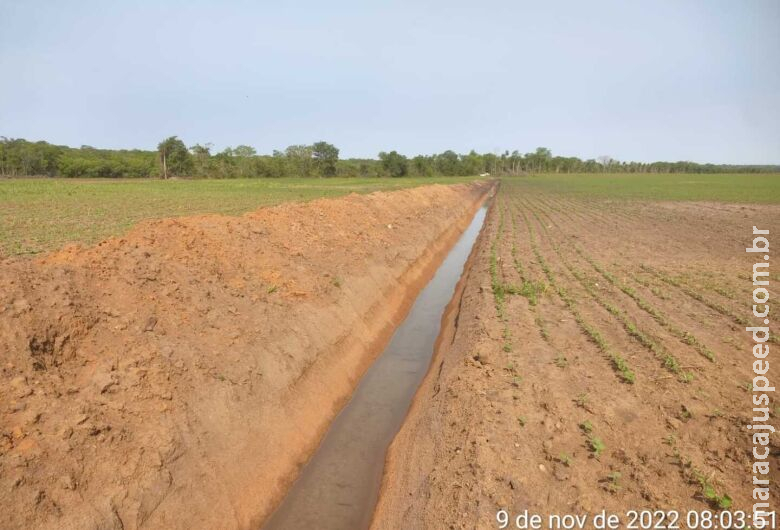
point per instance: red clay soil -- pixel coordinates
(179, 376)
(523, 410)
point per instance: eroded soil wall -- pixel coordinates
(179, 376)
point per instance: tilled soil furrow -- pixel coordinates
(660, 422)
(562, 288)
(590, 288)
(561, 432)
(660, 318)
(714, 377)
(689, 469)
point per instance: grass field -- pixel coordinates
(37, 215)
(43, 214)
(746, 187)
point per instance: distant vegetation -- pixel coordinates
(173, 158)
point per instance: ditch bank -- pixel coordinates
(338, 487)
(423, 482)
(181, 375)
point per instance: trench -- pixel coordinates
(339, 486)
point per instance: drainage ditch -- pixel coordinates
(338, 487)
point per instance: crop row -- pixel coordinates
(619, 364)
(684, 336)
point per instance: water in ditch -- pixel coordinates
(338, 487)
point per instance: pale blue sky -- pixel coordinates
(660, 80)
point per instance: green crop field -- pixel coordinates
(37, 215)
(743, 187)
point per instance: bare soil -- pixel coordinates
(524, 386)
(179, 376)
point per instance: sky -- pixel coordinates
(662, 80)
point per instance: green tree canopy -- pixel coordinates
(244, 151)
(20, 157)
(300, 159)
(394, 164)
(448, 163)
(174, 157)
(326, 156)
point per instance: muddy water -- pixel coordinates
(338, 488)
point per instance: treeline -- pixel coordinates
(173, 158)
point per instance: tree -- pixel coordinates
(543, 153)
(422, 166)
(605, 160)
(448, 163)
(244, 151)
(201, 155)
(21, 157)
(538, 160)
(491, 163)
(300, 158)
(174, 157)
(394, 164)
(325, 158)
(201, 151)
(245, 160)
(473, 164)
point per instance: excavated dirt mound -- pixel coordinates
(178, 376)
(523, 407)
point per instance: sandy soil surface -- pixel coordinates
(526, 407)
(178, 376)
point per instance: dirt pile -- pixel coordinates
(176, 377)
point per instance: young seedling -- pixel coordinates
(618, 362)
(596, 445)
(728, 293)
(586, 426)
(272, 289)
(631, 328)
(531, 291)
(521, 420)
(684, 336)
(582, 400)
(542, 329)
(565, 459)
(659, 293)
(561, 361)
(622, 367)
(613, 484)
(693, 293)
(722, 502)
